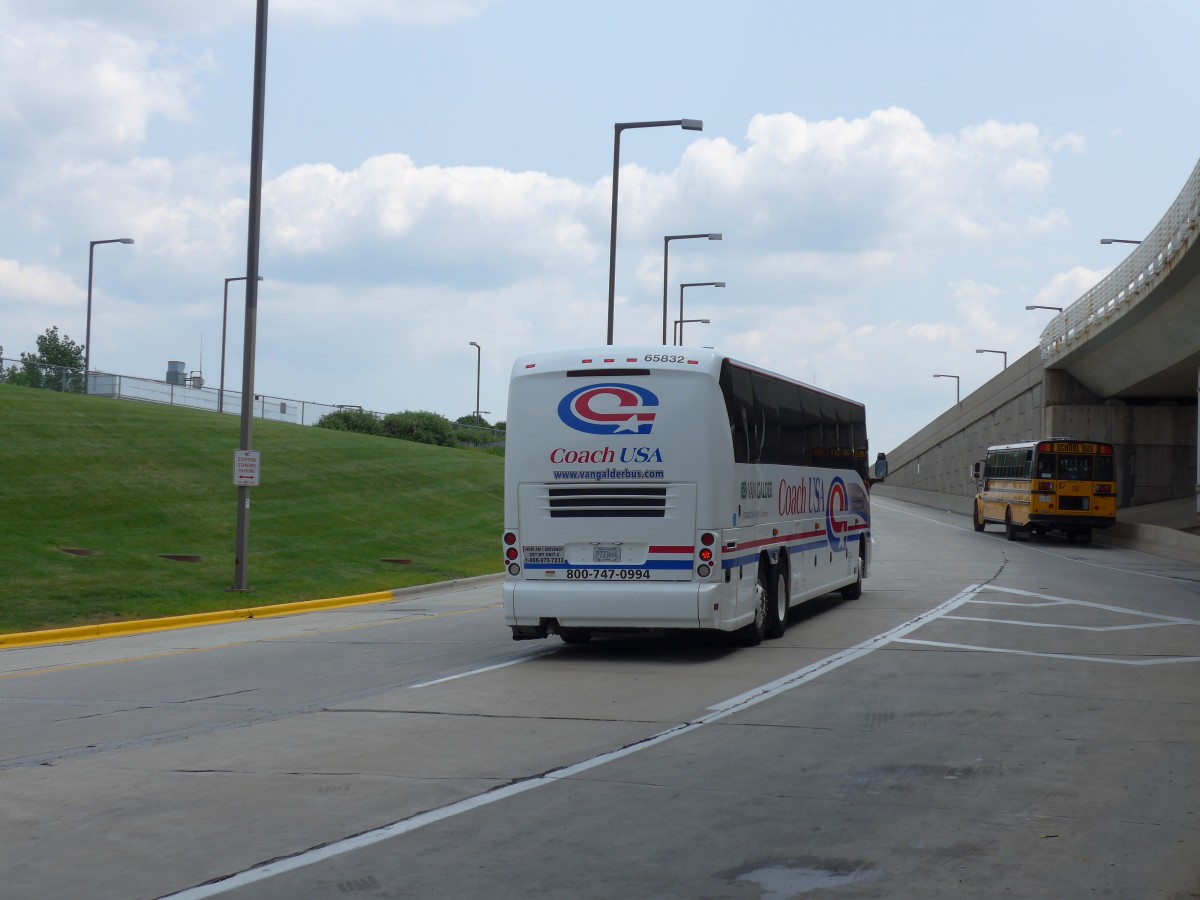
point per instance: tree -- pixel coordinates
(57, 366)
(472, 419)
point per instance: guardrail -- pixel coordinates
(1119, 291)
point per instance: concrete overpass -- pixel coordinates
(1121, 364)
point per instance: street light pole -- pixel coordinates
(719, 284)
(679, 327)
(666, 249)
(686, 125)
(957, 394)
(478, 364)
(224, 318)
(87, 338)
(1003, 353)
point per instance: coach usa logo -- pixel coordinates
(609, 409)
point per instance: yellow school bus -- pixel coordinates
(1053, 485)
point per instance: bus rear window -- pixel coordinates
(1075, 468)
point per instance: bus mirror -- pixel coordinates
(881, 467)
(976, 474)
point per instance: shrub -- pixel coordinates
(420, 426)
(352, 420)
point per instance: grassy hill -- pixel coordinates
(129, 482)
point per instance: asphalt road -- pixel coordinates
(990, 719)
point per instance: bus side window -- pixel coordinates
(1045, 465)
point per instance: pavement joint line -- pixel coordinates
(79, 633)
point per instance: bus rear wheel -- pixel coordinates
(752, 635)
(1010, 530)
(854, 591)
(574, 635)
(777, 605)
(1082, 535)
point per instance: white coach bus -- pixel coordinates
(673, 488)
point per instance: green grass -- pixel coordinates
(131, 481)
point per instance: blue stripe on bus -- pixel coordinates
(750, 558)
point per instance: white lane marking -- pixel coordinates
(1064, 627)
(720, 711)
(808, 673)
(1049, 600)
(1103, 659)
(503, 665)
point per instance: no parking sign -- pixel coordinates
(245, 468)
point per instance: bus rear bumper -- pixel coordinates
(533, 607)
(1061, 521)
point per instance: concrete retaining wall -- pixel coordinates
(1154, 442)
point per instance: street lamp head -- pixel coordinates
(691, 125)
(473, 344)
(124, 240)
(714, 237)
(718, 284)
(1118, 241)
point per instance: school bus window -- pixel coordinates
(1045, 465)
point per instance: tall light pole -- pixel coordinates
(957, 394)
(689, 284)
(87, 338)
(249, 335)
(1003, 353)
(478, 364)
(224, 319)
(686, 125)
(666, 249)
(679, 326)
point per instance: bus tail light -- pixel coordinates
(1046, 487)
(512, 556)
(1105, 489)
(705, 555)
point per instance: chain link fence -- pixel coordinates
(192, 393)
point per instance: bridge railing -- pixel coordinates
(1119, 291)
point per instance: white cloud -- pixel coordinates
(1067, 287)
(402, 12)
(77, 90)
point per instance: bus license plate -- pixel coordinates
(606, 554)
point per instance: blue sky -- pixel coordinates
(894, 183)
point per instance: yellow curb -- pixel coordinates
(142, 626)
